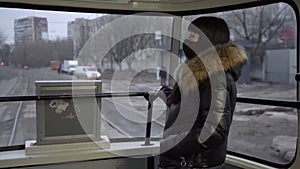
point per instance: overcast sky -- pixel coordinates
(57, 21)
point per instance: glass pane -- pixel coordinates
(268, 34)
(132, 58)
(32, 45)
(266, 132)
(52, 45)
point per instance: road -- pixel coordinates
(115, 123)
(255, 130)
(23, 83)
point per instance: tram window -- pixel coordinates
(127, 52)
(268, 34)
(266, 132)
(124, 51)
(132, 59)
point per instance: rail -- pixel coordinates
(249, 100)
(269, 102)
(100, 95)
(70, 96)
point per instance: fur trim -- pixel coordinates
(219, 58)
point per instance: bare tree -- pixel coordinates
(123, 41)
(259, 25)
(19, 56)
(39, 54)
(62, 49)
(130, 48)
(3, 38)
(5, 53)
(4, 48)
(138, 43)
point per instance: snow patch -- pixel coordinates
(281, 115)
(241, 118)
(284, 146)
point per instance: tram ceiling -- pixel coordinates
(139, 5)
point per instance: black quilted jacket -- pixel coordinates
(201, 107)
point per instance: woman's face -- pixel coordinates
(191, 46)
(193, 36)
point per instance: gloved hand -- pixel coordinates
(161, 92)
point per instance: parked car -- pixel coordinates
(69, 66)
(55, 64)
(87, 72)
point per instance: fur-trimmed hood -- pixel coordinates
(216, 59)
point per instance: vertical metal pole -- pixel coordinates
(150, 162)
(149, 122)
(175, 46)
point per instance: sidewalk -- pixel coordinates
(262, 131)
(266, 132)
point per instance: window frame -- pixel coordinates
(180, 14)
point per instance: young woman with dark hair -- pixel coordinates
(202, 102)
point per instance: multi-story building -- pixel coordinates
(30, 29)
(80, 30)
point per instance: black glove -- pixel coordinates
(166, 90)
(161, 92)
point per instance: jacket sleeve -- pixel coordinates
(184, 142)
(217, 124)
(215, 129)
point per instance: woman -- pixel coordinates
(202, 102)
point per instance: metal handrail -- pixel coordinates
(69, 96)
(249, 100)
(99, 95)
(269, 102)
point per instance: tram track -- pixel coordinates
(19, 79)
(141, 111)
(11, 132)
(129, 117)
(11, 112)
(16, 119)
(125, 125)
